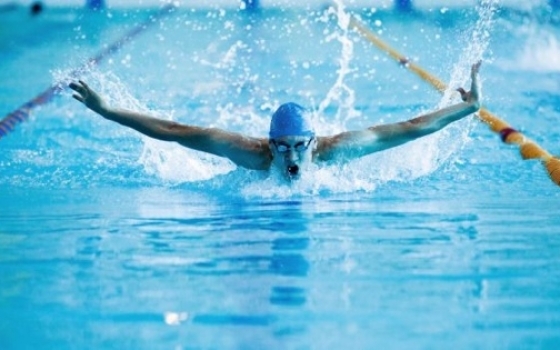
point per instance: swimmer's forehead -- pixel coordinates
(290, 119)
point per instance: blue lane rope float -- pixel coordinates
(10, 121)
(528, 148)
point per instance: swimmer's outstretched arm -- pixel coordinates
(248, 152)
(355, 144)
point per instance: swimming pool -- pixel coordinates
(112, 240)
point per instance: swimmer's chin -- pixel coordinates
(293, 178)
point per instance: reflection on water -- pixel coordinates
(137, 267)
(288, 259)
(283, 270)
(249, 261)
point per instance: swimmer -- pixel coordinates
(292, 144)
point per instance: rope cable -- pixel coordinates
(528, 148)
(21, 114)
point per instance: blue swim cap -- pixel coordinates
(290, 119)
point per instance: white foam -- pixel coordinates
(541, 53)
(411, 161)
(173, 164)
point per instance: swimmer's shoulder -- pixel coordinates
(256, 153)
(325, 147)
(344, 146)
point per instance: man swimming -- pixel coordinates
(292, 144)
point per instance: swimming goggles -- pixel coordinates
(299, 147)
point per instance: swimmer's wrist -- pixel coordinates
(103, 110)
(475, 105)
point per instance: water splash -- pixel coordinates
(172, 164)
(340, 94)
(475, 43)
(540, 54)
(414, 160)
(424, 156)
(167, 161)
(318, 180)
(456, 136)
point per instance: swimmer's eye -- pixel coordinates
(299, 147)
(282, 148)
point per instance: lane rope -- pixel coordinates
(10, 121)
(527, 147)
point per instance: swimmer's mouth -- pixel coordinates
(293, 171)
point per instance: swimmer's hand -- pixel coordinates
(473, 95)
(88, 97)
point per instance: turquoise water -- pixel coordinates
(112, 240)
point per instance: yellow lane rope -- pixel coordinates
(528, 148)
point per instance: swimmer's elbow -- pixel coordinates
(181, 133)
(162, 132)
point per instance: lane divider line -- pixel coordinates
(527, 147)
(10, 121)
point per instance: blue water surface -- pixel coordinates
(111, 240)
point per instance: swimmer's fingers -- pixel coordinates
(464, 94)
(475, 68)
(79, 88)
(85, 87)
(78, 97)
(87, 96)
(469, 96)
(80, 92)
(472, 95)
(74, 86)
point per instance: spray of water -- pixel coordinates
(340, 94)
(421, 157)
(540, 54)
(452, 139)
(166, 161)
(174, 164)
(402, 164)
(475, 43)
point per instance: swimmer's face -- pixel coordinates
(292, 154)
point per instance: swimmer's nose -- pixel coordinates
(293, 170)
(292, 156)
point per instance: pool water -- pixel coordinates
(112, 240)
